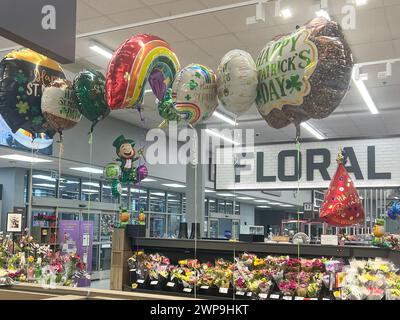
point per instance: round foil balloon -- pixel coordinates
(142, 172)
(112, 171)
(59, 105)
(194, 93)
(237, 81)
(303, 75)
(23, 74)
(89, 87)
(140, 60)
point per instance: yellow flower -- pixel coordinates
(31, 259)
(258, 262)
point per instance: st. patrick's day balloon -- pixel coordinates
(23, 75)
(140, 60)
(303, 75)
(237, 81)
(194, 94)
(59, 105)
(89, 87)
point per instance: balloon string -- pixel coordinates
(298, 147)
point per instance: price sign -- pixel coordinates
(263, 296)
(223, 290)
(298, 298)
(140, 281)
(154, 283)
(171, 284)
(274, 296)
(249, 294)
(204, 287)
(188, 290)
(239, 293)
(287, 298)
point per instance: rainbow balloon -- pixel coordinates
(140, 60)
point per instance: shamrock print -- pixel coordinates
(21, 90)
(37, 121)
(22, 107)
(21, 78)
(188, 97)
(293, 83)
(197, 75)
(193, 84)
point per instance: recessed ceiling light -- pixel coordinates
(275, 203)
(148, 180)
(90, 191)
(101, 49)
(43, 177)
(286, 13)
(45, 185)
(261, 201)
(313, 131)
(365, 93)
(225, 195)
(323, 14)
(245, 198)
(18, 157)
(174, 185)
(216, 134)
(361, 2)
(92, 184)
(286, 205)
(223, 117)
(209, 191)
(264, 207)
(88, 170)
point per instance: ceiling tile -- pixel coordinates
(133, 16)
(95, 24)
(177, 7)
(258, 39)
(373, 51)
(218, 46)
(393, 14)
(188, 52)
(84, 11)
(200, 26)
(114, 6)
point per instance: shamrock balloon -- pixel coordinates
(59, 106)
(89, 87)
(23, 75)
(194, 94)
(303, 75)
(237, 81)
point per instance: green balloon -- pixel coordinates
(112, 171)
(89, 86)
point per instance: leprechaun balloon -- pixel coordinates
(89, 87)
(59, 106)
(23, 75)
(303, 75)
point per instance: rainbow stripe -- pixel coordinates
(142, 67)
(189, 112)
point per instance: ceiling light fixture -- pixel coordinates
(100, 49)
(245, 198)
(88, 170)
(286, 205)
(313, 131)
(261, 201)
(264, 207)
(323, 13)
(45, 185)
(216, 134)
(361, 2)
(364, 91)
(223, 117)
(174, 185)
(18, 157)
(91, 184)
(225, 194)
(160, 194)
(43, 177)
(286, 13)
(90, 191)
(275, 203)
(209, 191)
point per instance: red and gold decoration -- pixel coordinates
(342, 206)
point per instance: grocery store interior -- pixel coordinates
(207, 230)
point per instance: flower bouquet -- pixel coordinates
(293, 265)
(392, 294)
(287, 287)
(264, 286)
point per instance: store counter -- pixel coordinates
(177, 249)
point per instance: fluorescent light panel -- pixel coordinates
(18, 157)
(286, 13)
(174, 185)
(365, 94)
(91, 184)
(208, 191)
(264, 207)
(225, 194)
(313, 131)
(245, 198)
(216, 134)
(43, 177)
(361, 2)
(286, 205)
(223, 117)
(100, 49)
(88, 170)
(261, 201)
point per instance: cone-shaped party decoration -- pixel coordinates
(342, 206)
